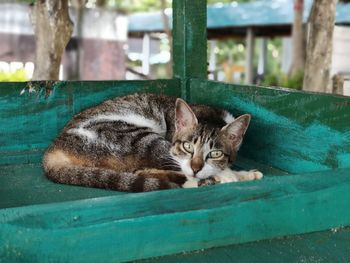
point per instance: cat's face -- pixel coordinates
(204, 151)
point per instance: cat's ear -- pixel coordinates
(184, 116)
(234, 131)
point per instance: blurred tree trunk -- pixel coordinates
(79, 5)
(169, 66)
(298, 41)
(319, 46)
(100, 3)
(53, 29)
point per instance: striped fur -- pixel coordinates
(132, 144)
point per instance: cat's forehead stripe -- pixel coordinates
(208, 138)
(211, 143)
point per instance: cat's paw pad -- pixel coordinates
(190, 184)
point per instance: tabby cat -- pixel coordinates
(147, 142)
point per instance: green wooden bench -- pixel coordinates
(301, 141)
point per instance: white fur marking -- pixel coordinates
(228, 118)
(133, 119)
(190, 184)
(130, 118)
(185, 165)
(227, 176)
(207, 171)
(84, 133)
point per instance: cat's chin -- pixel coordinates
(203, 177)
(198, 177)
(192, 178)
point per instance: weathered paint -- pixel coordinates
(135, 226)
(292, 131)
(43, 191)
(25, 184)
(326, 246)
(32, 114)
(180, 220)
(189, 41)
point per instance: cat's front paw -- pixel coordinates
(256, 175)
(226, 176)
(249, 175)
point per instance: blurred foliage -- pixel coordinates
(232, 52)
(274, 55)
(18, 75)
(271, 80)
(294, 82)
(282, 80)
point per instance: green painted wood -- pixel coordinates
(35, 188)
(32, 118)
(180, 220)
(325, 246)
(290, 130)
(136, 226)
(25, 184)
(189, 40)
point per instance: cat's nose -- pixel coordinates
(196, 165)
(196, 170)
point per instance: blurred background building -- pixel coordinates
(96, 50)
(248, 41)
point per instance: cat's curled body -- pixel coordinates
(147, 142)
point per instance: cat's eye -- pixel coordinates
(215, 154)
(188, 147)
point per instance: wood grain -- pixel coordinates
(136, 226)
(290, 130)
(31, 120)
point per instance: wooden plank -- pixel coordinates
(35, 188)
(136, 226)
(290, 130)
(189, 40)
(325, 246)
(31, 119)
